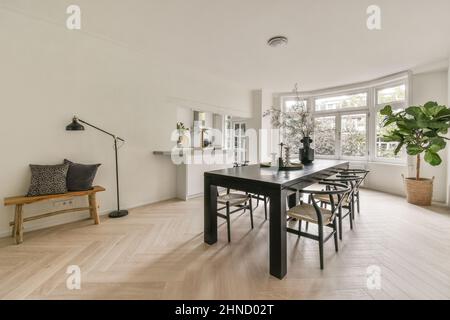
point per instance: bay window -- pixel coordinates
(348, 123)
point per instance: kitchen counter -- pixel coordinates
(192, 163)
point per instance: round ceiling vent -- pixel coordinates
(277, 41)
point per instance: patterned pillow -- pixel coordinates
(48, 179)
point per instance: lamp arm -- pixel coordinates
(97, 128)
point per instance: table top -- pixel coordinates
(273, 175)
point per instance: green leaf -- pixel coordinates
(430, 105)
(393, 136)
(432, 158)
(416, 112)
(414, 149)
(438, 124)
(389, 120)
(399, 147)
(437, 144)
(430, 134)
(436, 110)
(405, 132)
(386, 111)
(411, 124)
(445, 112)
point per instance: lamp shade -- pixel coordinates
(75, 125)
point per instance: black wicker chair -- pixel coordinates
(312, 213)
(240, 201)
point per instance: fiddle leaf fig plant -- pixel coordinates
(420, 129)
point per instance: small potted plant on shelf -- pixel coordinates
(421, 130)
(181, 129)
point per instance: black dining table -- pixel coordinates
(273, 183)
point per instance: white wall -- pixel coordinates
(433, 86)
(48, 74)
(386, 177)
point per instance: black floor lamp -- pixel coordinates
(76, 126)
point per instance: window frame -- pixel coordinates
(396, 105)
(239, 150)
(337, 94)
(338, 134)
(387, 86)
(337, 143)
(367, 153)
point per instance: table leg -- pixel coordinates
(210, 212)
(278, 250)
(293, 200)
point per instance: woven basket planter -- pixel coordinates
(419, 192)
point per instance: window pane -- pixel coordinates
(385, 149)
(325, 136)
(290, 104)
(353, 135)
(393, 94)
(341, 102)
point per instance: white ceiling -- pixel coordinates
(329, 43)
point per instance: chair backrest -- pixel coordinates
(353, 181)
(355, 173)
(334, 189)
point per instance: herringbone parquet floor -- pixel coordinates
(157, 252)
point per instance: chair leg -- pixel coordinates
(321, 245)
(228, 222)
(353, 207)
(340, 222)
(351, 215)
(251, 211)
(357, 200)
(265, 207)
(299, 227)
(307, 225)
(336, 245)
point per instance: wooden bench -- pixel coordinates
(20, 201)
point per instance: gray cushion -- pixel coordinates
(80, 176)
(49, 179)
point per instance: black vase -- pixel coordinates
(306, 153)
